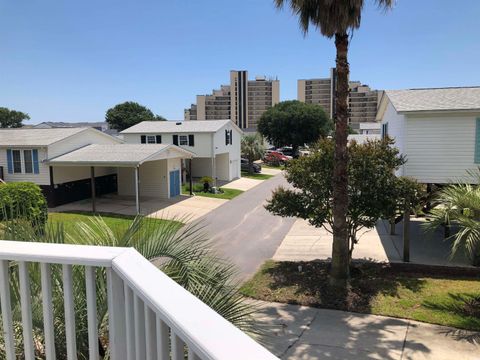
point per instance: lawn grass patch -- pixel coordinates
(279, 167)
(69, 220)
(256, 176)
(227, 194)
(375, 289)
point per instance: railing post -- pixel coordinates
(6, 306)
(116, 316)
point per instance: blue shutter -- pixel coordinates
(9, 161)
(477, 141)
(36, 169)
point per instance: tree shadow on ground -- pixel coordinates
(310, 284)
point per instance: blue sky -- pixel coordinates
(63, 60)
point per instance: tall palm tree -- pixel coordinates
(252, 149)
(183, 253)
(336, 18)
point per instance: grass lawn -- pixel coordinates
(228, 194)
(114, 221)
(256, 176)
(280, 167)
(375, 289)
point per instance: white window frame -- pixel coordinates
(151, 137)
(183, 140)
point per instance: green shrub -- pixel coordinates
(23, 200)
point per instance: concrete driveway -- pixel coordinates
(304, 243)
(182, 207)
(300, 332)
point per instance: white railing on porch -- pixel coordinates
(149, 315)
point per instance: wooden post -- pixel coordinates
(191, 177)
(392, 226)
(92, 182)
(406, 235)
(137, 192)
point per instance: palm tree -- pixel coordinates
(252, 149)
(336, 18)
(182, 252)
(459, 209)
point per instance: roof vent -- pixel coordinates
(178, 123)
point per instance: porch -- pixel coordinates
(150, 316)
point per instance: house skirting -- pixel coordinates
(68, 192)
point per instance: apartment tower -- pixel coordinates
(362, 101)
(243, 101)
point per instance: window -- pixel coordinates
(151, 139)
(28, 161)
(17, 162)
(183, 140)
(384, 130)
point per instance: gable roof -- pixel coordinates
(190, 126)
(35, 137)
(118, 154)
(435, 99)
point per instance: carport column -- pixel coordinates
(190, 176)
(137, 192)
(92, 182)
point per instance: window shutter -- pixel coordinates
(9, 161)
(175, 139)
(143, 139)
(158, 139)
(36, 169)
(226, 137)
(191, 140)
(231, 137)
(477, 142)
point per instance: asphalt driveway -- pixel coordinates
(244, 232)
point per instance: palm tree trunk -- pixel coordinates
(340, 250)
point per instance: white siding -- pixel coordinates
(63, 174)
(396, 129)
(154, 178)
(222, 167)
(439, 148)
(87, 137)
(42, 178)
(233, 151)
(202, 146)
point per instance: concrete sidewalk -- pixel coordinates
(299, 332)
(243, 184)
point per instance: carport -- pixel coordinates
(159, 164)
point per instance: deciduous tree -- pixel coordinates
(12, 118)
(127, 114)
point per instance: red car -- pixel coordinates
(276, 158)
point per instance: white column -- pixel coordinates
(137, 195)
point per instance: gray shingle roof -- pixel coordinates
(114, 154)
(441, 99)
(192, 126)
(35, 137)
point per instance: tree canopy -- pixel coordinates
(293, 123)
(127, 114)
(11, 118)
(372, 186)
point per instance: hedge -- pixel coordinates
(23, 200)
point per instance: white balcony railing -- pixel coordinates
(149, 315)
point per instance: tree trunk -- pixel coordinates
(340, 251)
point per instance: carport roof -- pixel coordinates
(119, 155)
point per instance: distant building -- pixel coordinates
(362, 101)
(101, 126)
(243, 101)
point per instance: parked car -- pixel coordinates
(286, 150)
(257, 168)
(276, 158)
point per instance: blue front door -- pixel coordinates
(174, 183)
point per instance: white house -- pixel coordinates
(76, 163)
(438, 130)
(368, 128)
(215, 143)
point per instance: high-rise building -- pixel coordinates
(243, 101)
(362, 101)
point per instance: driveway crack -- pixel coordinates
(307, 326)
